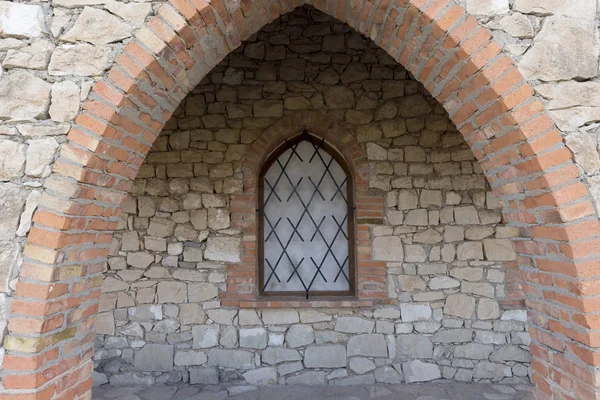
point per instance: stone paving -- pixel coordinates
(441, 391)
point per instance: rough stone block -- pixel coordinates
(488, 309)
(204, 376)
(361, 365)
(325, 356)
(276, 355)
(415, 312)
(225, 249)
(80, 59)
(469, 251)
(23, 96)
(337, 97)
(12, 200)
(510, 353)
(354, 325)
(21, 20)
(387, 374)
(253, 338)
(489, 370)
(65, 101)
(580, 9)
(222, 316)
(105, 323)
(300, 335)
(261, 376)
(190, 357)
(453, 336)
(171, 292)
(388, 248)
(459, 305)
(414, 346)
(97, 26)
(190, 314)
(411, 283)
(419, 371)
(35, 56)
(205, 336)
(154, 357)
(309, 378)
(280, 317)
(236, 359)
(473, 351)
(499, 250)
(577, 42)
(373, 345)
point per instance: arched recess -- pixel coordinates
(51, 336)
(241, 289)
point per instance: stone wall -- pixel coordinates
(50, 61)
(447, 252)
(50, 56)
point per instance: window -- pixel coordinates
(306, 221)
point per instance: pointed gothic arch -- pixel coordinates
(51, 335)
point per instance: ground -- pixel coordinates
(442, 391)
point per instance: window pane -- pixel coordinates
(306, 222)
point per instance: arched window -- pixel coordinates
(306, 235)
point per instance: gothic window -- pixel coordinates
(306, 221)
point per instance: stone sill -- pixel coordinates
(298, 303)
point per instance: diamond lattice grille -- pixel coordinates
(305, 220)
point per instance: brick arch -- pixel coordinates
(316, 123)
(371, 274)
(51, 336)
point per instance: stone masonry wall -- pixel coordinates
(447, 252)
(49, 61)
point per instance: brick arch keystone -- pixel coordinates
(51, 337)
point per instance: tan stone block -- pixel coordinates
(388, 248)
(218, 218)
(79, 59)
(225, 249)
(12, 199)
(35, 56)
(108, 302)
(469, 251)
(105, 324)
(466, 215)
(459, 305)
(171, 292)
(577, 42)
(417, 218)
(21, 20)
(478, 288)
(431, 198)
(410, 283)
(499, 250)
(145, 295)
(191, 314)
(585, 149)
(134, 13)
(202, 292)
(23, 96)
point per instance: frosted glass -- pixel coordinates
(305, 222)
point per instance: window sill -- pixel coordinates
(300, 303)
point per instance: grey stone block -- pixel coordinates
(154, 357)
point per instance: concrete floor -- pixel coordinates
(439, 391)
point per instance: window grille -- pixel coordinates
(306, 221)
